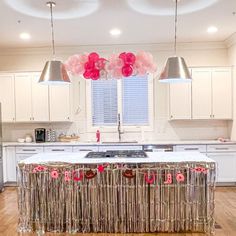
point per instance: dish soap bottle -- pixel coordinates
(98, 136)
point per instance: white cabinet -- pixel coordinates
(86, 148)
(23, 97)
(40, 101)
(209, 96)
(59, 103)
(222, 93)
(7, 97)
(201, 94)
(212, 93)
(58, 149)
(31, 98)
(226, 165)
(180, 101)
(192, 148)
(9, 164)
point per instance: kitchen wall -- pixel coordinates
(197, 54)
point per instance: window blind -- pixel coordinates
(135, 100)
(104, 102)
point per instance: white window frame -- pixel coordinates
(125, 128)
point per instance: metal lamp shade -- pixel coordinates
(54, 72)
(175, 71)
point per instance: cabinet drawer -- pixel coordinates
(58, 149)
(185, 148)
(85, 148)
(20, 157)
(221, 148)
(119, 147)
(28, 149)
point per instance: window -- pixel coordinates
(131, 97)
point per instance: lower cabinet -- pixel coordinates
(226, 165)
(9, 164)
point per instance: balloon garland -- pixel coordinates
(125, 64)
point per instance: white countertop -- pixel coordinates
(177, 142)
(154, 157)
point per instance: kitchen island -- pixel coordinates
(123, 193)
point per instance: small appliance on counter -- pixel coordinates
(40, 135)
(51, 135)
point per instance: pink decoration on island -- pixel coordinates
(200, 170)
(67, 175)
(54, 174)
(180, 177)
(78, 177)
(39, 168)
(101, 168)
(168, 179)
(125, 64)
(151, 179)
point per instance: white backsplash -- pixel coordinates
(163, 130)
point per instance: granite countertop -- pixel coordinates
(154, 157)
(157, 142)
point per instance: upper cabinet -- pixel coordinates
(201, 93)
(23, 99)
(31, 98)
(180, 101)
(209, 96)
(7, 97)
(60, 105)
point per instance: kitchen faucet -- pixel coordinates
(119, 128)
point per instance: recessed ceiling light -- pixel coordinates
(25, 36)
(212, 29)
(115, 32)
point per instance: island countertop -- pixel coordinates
(153, 157)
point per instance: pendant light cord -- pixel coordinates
(176, 6)
(51, 4)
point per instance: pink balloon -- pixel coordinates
(89, 65)
(100, 64)
(79, 69)
(87, 74)
(83, 58)
(95, 74)
(130, 58)
(93, 56)
(127, 70)
(123, 56)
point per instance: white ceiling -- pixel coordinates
(87, 22)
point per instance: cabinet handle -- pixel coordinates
(171, 116)
(213, 116)
(222, 148)
(32, 118)
(68, 118)
(85, 150)
(190, 149)
(13, 119)
(29, 150)
(58, 150)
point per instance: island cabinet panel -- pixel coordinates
(180, 101)
(59, 103)
(222, 93)
(7, 97)
(201, 94)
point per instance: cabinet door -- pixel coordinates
(23, 97)
(7, 97)
(201, 94)
(10, 165)
(180, 101)
(40, 103)
(226, 164)
(222, 93)
(59, 97)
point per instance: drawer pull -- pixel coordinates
(222, 148)
(29, 150)
(85, 150)
(191, 149)
(58, 150)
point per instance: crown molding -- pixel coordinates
(231, 40)
(69, 50)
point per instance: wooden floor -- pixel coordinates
(225, 215)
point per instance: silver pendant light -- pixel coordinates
(175, 70)
(54, 72)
